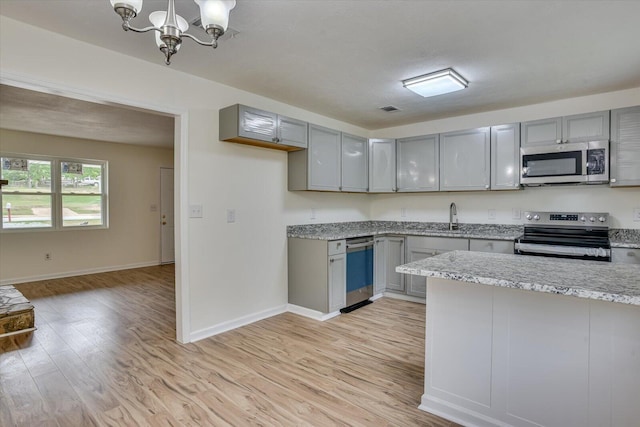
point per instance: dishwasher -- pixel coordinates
(359, 272)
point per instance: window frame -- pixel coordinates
(56, 194)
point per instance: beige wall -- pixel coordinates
(132, 238)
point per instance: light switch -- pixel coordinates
(313, 213)
(516, 213)
(195, 211)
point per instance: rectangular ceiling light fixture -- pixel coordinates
(438, 83)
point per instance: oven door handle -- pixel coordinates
(562, 250)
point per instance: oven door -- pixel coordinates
(562, 163)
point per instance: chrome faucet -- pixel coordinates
(453, 215)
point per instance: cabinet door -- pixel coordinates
(257, 124)
(395, 257)
(417, 163)
(379, 265)
(292, 132)
(625, 147)
(586, 127)
(382, 165)
(541, 132)
(324, 159)
(465, 160)
(417, 285)
(493, 246)
(337, 282)
(505, 157)
(355, 163)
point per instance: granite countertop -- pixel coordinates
(620, 238)
(584, 279)
(346, 230)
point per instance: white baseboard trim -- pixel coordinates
(63, 274)
(311, 314)
(458, 414)
(405, 297)
(377, 296)
(235, 323)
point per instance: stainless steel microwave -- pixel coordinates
(574, 162)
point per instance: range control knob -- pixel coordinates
(592, 219)
(602, 219)
(529, 217)
(583, 218)
(536, 217)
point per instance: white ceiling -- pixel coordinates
(29, 111)
(346, 58)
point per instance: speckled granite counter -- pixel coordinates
(625, 238)
(345, 230)
(620, 238)
(585, 279)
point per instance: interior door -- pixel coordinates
(167, 228)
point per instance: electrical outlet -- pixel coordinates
(313, 213)
(231, 215)
(492, 214)
(636, 214)
(516, 213)
(403, 212)
(47, 256)
(195, 211)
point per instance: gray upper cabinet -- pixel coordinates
(625, 147)
(576, 128)
(318, 167)
(586, 127)
(465, 160)
(541, 132)
(324, 159)
(382, 165)
(247, 125)
(417, 163)
(355, 163)
(505, 157)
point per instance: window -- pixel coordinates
(51, 193)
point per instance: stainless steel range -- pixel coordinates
(577, 235)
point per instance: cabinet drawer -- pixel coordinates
(495, 246)
(625, 256)
(440, 243)
(337, 247)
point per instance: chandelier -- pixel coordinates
(170, 28)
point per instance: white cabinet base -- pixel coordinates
(498, 356)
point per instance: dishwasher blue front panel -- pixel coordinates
(359, 269)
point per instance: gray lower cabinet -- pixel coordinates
(625, 255)
(418, 163)
(355, 163)
(388, 253)
(382, 165)
(419, 247)
(247, 125)
(494, 246)
(465, 163)
(625, 147)
(317, 274)
(505, 157)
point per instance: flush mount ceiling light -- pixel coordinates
(170, 27)
(437, 83)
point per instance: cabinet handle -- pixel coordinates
(486, 186)
(613, 180)
(558, 141)
(331, 260)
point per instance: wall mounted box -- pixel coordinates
(251, 126)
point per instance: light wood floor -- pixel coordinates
(104, 354)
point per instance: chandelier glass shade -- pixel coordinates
(171, 28)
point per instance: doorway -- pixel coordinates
(167, 227)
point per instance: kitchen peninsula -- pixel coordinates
(519, 340)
